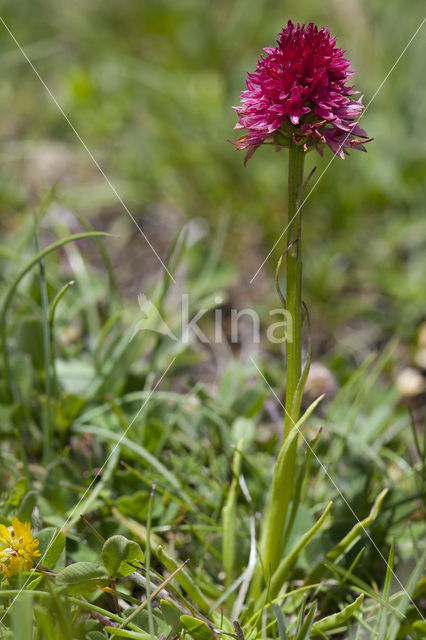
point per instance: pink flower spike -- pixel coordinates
(298, 93)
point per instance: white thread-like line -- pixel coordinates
(86, 148)
(334, 156)
(340, 493)
(88, 488)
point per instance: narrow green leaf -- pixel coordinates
(357, 530)
(383, 611)
(361, 585)
(306, 626)
(279, 617)
(84, 505)
(406, 598)
(183, 578)
(148, 561)
(337, 619)
(348, 541)
(297, 500)
(289, 560)
(23, 272)
(282, 485)
(301, 616)
(137, 449)
(229, 515)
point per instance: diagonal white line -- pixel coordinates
(123, 435)
(340, 493)
(86, 148)
(334, 156)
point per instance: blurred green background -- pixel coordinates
(149, 86)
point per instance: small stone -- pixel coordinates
(320, 380)
(422, 336)
(410, 382)
(420, 358)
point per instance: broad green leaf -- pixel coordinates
(135, 503)
(82, 577)
(51, 546)
(419, 627)
(22, 617)
(171, 615)
(117, 554)
(27, 505)
(197, 629)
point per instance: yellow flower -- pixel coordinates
(18, 549)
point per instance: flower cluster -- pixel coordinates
(18, 549)
(299, 93)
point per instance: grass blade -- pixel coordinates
(229, 519)
(337, 619)
(289, 560)
(393, 628)
(21, 274)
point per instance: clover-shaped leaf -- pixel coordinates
(119, 554)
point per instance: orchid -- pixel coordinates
(299, 93)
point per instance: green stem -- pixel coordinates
(104, 612)
(294, 285)
(276, 515)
